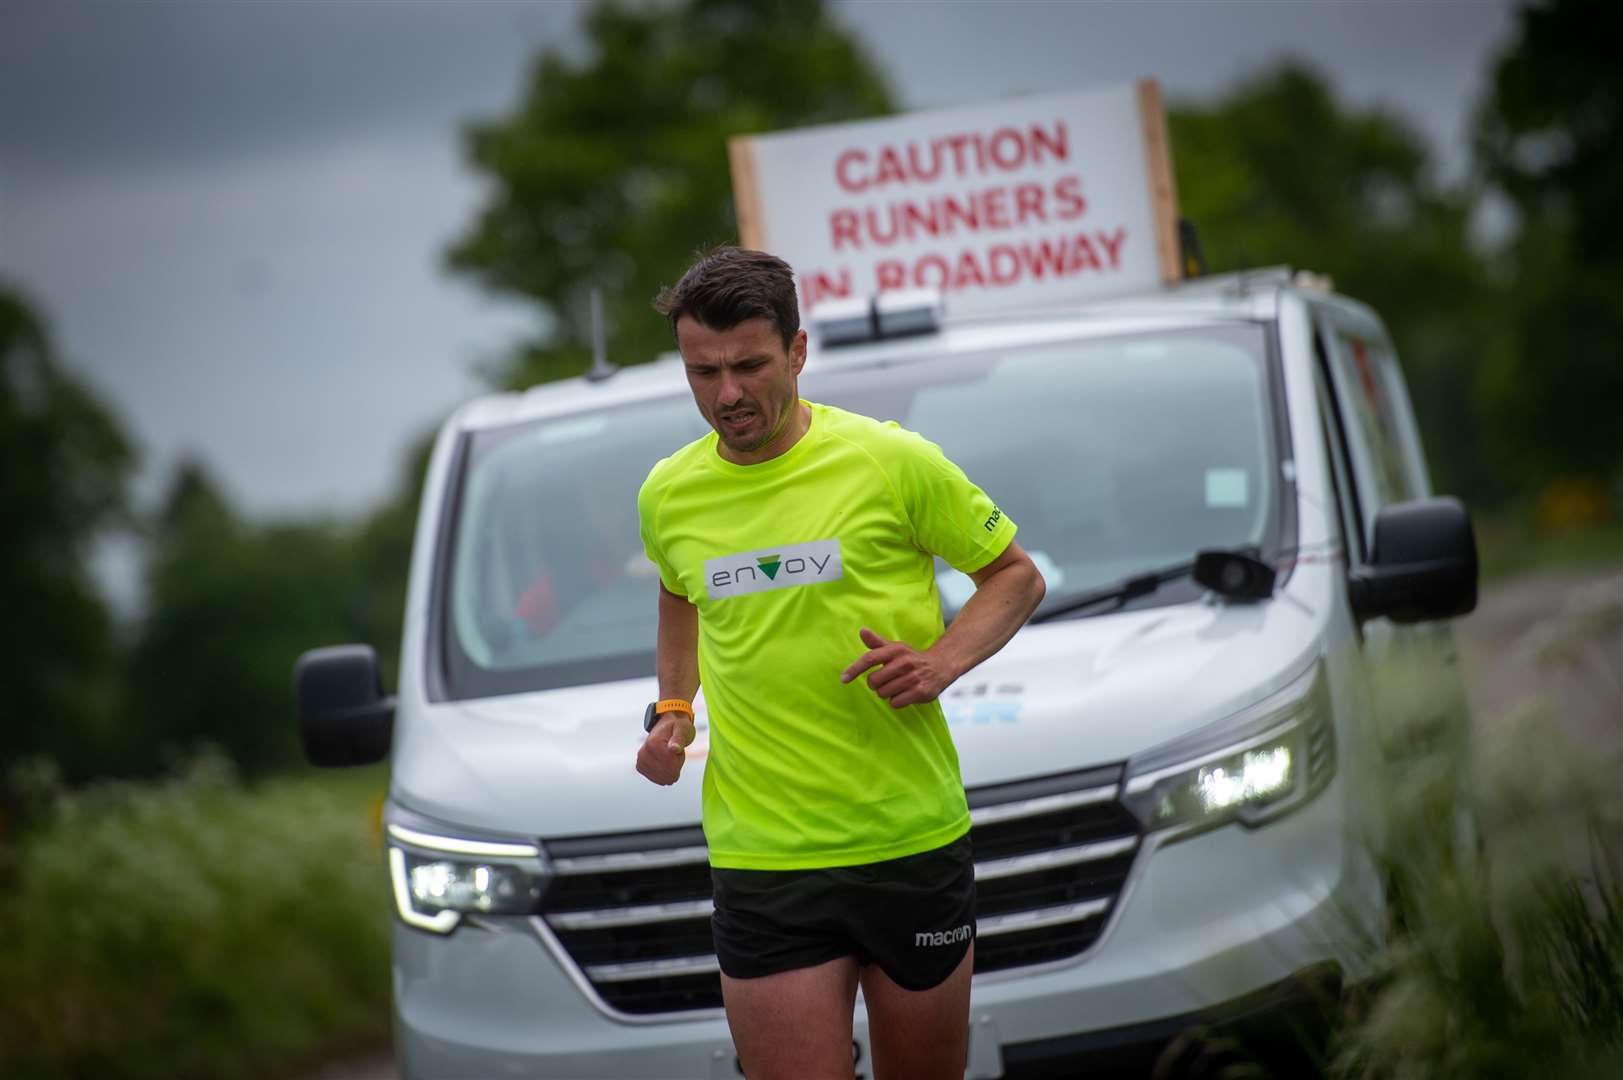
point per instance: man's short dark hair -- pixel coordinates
(730, 285)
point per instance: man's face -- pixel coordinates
(743, 380)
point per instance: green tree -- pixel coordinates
(1278, 171)
(231, 605)
(610, 172)
(64, 464)
(1550, 137)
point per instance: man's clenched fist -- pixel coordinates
(665, 749)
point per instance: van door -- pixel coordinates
(1416, 696)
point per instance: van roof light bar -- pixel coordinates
(908, 311)
(845, 321)
(893, 314)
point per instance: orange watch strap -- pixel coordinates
(673, 705)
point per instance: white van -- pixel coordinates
(1161, 767)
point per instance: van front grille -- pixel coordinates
(631, 911)
(1051, 856)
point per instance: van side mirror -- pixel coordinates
(344, 718)
(1423, 565)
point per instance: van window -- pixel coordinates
(1365, 388)
(1114, 455)
(548, 582)
(1405, 430)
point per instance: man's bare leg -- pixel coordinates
(795, 1025)
(919, 1034)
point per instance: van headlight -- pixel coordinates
(437, 878)
(1250, 767)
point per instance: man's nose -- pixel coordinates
(730, 391)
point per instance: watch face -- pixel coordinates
(649, 716)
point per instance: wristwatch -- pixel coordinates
(656, 708)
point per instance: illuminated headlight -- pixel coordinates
(1250, 779)
(438, 878)
(1250, 767)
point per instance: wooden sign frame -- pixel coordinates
(1163, 188)
(753, 221)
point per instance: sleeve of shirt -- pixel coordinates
(649, 497)
(950, 516)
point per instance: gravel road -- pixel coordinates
(1558, 635)
(1553, 635)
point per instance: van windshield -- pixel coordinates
(1113, 455)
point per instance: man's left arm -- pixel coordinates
(1007, 590)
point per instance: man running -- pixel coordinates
(795, 548)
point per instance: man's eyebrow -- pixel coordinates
(703, 365)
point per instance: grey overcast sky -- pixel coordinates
(232, 212)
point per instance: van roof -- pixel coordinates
(1248, 296)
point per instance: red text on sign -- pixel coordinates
(1002, 265)
(967, 154)
(945, 216)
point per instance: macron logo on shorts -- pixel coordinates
(782, 567)
(944, 937)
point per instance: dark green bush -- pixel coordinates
(194, 927)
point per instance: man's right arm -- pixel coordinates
(676, 662)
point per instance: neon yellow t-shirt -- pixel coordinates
(786, 560)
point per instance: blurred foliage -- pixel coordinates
(612, 171)
(232, 604)
(1506, 958)
(229, 603)
(64, 464)
(193, 927)
(1509, 544)
(1278, 171)
(1550, 137)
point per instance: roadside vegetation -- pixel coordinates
(192, 926)
(1506, 952)
(1510, 964)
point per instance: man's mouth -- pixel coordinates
(738, 419)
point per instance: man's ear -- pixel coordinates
(797, 352)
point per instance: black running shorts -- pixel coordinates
(913, 916)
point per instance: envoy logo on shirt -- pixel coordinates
(773, 568)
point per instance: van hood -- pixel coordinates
(1061, 695)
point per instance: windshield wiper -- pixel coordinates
(1238, 575)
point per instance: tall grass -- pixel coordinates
(1505, 957)
(193, 927)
